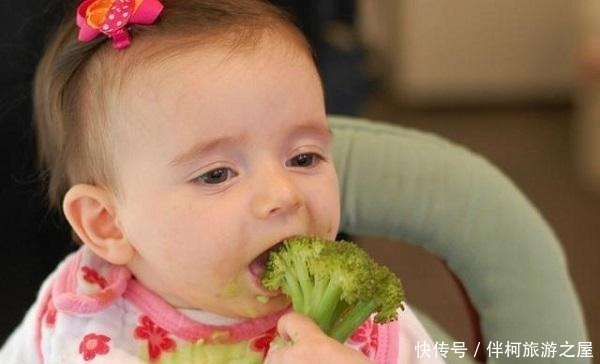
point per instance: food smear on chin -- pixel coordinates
(232, 289)
(263, 299)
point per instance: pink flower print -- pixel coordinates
(262, 343)
(91, 276)
(157, 337)
(50, 314)
(92, 345)
(366, 338)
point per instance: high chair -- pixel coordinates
(417, 187)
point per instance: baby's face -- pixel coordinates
(221, 155)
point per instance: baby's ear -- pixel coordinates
(91, 212)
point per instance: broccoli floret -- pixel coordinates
(337, 284)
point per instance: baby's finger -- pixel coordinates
(294, 326)
(276, 356)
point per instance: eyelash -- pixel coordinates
(316, 159)
(228, 173)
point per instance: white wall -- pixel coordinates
(473, 50)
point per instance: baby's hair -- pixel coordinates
(74, 79)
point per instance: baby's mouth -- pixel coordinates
(258, 265)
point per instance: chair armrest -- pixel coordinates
(414, 186)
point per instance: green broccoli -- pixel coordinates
(336, 284)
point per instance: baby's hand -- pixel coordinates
(310, 345)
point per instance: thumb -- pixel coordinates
(295, 326)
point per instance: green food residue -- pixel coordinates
(231, 290)
(263, 299)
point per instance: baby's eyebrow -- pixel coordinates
(203, 147)
(320, 131)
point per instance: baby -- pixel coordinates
(183, 139)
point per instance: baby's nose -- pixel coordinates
(276, 194)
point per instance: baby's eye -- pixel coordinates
(304, 160)
(216, 176)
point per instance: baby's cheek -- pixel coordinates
(331, 232)
(223, 259)
(335, 216)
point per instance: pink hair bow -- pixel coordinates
(111, 17)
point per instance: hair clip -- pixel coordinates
(111, 17)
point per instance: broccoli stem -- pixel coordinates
(292, 289)
(323, 310)
(352, 320)
(306, 287)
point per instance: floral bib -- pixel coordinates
(95, 312)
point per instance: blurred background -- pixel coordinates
(516, 81)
